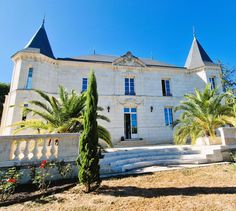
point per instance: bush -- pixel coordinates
(9, 179)
(42, 176)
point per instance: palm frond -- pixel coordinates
(202, 114)
(104, 134)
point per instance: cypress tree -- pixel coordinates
(88, 159)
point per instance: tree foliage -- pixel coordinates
(228, 78)
(202, 113)
(231, 101)
(88, 159)
(62, 115)
(4, 89)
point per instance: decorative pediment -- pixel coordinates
(129, 59)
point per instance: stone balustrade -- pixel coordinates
(20, 150)
(228, 135)
(24, 149)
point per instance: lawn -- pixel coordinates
(205, 188)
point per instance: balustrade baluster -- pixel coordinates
(52, 149)
(17, 151)
(26, 151)
(44, 150)
(35, 150)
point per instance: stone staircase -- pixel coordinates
(120, 160)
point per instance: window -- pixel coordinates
(168, 116)
(29, 79)
(126, 110)
(132, 116)
(212, 82)
(129, 86)
(134, 123)
(166, 87)
(23, 118)
(84, 84)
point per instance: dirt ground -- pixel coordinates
(205, 188)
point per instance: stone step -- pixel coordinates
(161, 163)
(114, 160)
(118, 160)
(150, 158)
(133, 143)
(161, 151)
(142, 164)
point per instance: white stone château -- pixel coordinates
(138, 95)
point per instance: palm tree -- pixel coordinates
(231, 120)
(202, 114)
(63, 115)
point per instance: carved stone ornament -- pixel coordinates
(130, 101)
(129, 59)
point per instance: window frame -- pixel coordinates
(133, 119)
(84, 85)
(212, 81)
(168, 116)
(29, 80)
(166, 89)
(129, 86)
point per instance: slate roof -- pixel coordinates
(197, 56)
(40, 41)
(110, 59)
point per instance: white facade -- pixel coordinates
(49, 73)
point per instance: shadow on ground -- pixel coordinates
(126, 191)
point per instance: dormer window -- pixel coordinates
(212, 82)
(129, 86)
(166, 87)
(29, 79)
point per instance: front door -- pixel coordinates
(130, 123)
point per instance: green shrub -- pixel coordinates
(9, 179)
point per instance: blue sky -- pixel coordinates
(145, 27)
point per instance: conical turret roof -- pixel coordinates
(197, 56)
(40, 41)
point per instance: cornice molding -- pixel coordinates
(36, 56)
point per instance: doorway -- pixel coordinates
(130, 123)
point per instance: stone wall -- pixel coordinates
(48, 74)
(228, 135)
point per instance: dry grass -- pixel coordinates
(206, 188)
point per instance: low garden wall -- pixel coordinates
(225, 136)
(228, 135)
(26, 151)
